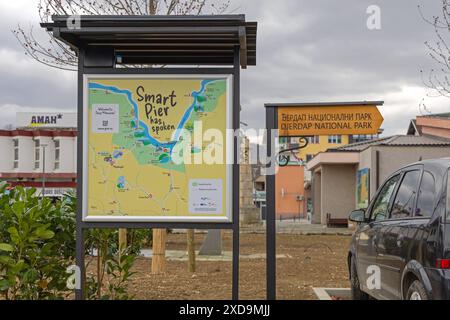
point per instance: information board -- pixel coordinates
(156, 149)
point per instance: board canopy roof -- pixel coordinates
(192, 40)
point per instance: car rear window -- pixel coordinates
(406, 196)
(427, 195)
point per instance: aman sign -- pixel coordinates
(46, 120)
(309, 120)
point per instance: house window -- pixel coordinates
(309, 157)
(57, 153)
(37, 153)
(314, 140)
(16, 153)
(363, 137)
(335, 139)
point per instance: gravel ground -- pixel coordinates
(312, 261)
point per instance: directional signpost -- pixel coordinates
(309, 119)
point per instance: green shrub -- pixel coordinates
(37, 245)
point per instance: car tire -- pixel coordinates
(356, 292)
(417, 291)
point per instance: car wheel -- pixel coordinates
(417, 291)
(356, 292)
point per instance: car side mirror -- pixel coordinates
(358, 216)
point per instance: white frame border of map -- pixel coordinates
(228, 218)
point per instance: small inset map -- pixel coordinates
(205, 196)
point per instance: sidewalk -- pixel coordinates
(181, 255)
(301, 227)
(298, 227)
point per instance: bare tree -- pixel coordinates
(437, 79)
(55, 53)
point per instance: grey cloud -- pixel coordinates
(333, 56)
(307, 51)
(24, 83)
(30, 84)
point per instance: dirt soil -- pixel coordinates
(313, 261)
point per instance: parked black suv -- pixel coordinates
(401, 248)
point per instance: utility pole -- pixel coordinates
(43, 169)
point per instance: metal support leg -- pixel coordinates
(235, 293)
(270, 212)
(81, 281)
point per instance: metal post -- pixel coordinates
(43, 169)
(236, 193)
(80, 285)
(271, 123)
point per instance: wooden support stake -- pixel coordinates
(191, 249)
(122, 238)
(159, 251)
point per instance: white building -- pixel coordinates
(39, 135)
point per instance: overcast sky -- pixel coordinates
(308, 51)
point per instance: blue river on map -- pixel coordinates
(141, 124)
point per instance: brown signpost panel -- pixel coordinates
(328, 120)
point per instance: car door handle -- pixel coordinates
(375, 241)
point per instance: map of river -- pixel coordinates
(134, 128)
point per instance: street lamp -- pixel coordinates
(43, 169)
